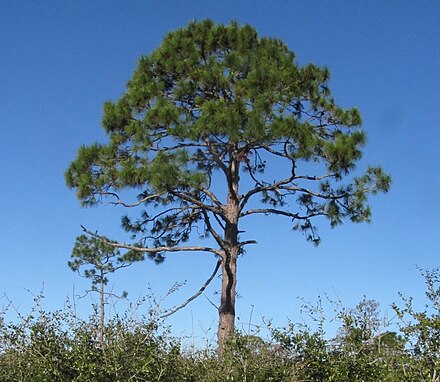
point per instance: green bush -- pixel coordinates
(59, 347)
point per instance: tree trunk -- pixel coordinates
(102, 310)
(226, 324)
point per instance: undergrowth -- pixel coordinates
(60, 347)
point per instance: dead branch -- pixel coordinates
(199, 292)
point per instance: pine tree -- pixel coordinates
(201, 119)
(96, 259)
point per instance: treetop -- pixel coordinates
(214, 95)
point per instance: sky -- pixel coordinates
(61, 60)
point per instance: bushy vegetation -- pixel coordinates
(58, 347)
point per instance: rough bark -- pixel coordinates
(226, 323)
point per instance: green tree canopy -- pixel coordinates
(201, 120)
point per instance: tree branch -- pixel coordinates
(211, 229)
(247, 242)
(181, 145)
(199, 292)
(329, 196)
(268, 211)
(187, 197)
(217, 158)
(152, 250)
(138, 203)
(256, 190)
(213, 197)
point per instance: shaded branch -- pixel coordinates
(274, 152)
(181, 145)
(217, 158)
(257, 190)
(187, 197)
(329, 196)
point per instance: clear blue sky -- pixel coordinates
(60, 60)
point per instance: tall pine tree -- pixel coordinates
(216, 104)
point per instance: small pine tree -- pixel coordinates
(94, 259)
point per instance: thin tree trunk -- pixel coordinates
(102, 311)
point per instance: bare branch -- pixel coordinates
(213, 197)
(213, 232)
(315, 177)
(247, 242)
(269, 211)
(138, 203)
(199, 292)
(251, 174)
(274, 152)
(215, 306)
(220, 223)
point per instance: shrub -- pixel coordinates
(59, 347)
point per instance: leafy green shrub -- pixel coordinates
(421, 330)
(59, 347)
(56, 347)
